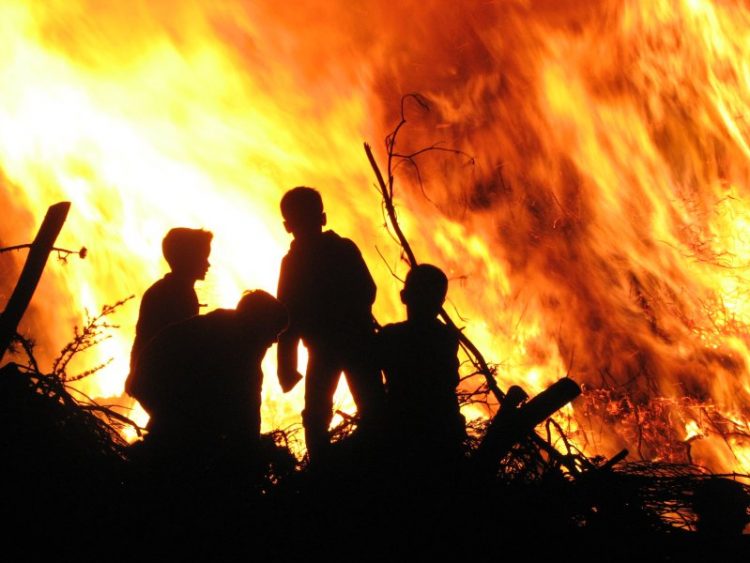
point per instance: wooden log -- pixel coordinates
(31, 273)
(513, 422)
(614, 460)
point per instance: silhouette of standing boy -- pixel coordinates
(171, 299)
(329, 292)
(420, 363)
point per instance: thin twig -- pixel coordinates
(62, 253)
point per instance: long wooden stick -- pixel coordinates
(32, 272)
(473, 351)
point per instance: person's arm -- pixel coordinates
(286, 361)
(452, 362)
(286, 350)
(141, 381)
(361, 277)
(142, 328)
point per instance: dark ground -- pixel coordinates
(71, 490)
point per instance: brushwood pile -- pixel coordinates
(70, 478)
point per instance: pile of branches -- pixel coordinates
(45, 401)
(63, 451)
(651, 427)
(69, 461)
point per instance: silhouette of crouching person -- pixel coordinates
(206, 378)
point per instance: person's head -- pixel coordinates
(302, 210)
(424, 291)
(721, 507)
(187, 251)
(263, 315)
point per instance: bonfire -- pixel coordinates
(580, 171)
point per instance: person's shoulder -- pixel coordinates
(214, 319)
(154, 297)
(220, 315)
(389, 340)
(445, 331)
(447, 336)
(297, 253)
(341, 246)
(157, 287)
(441, 326)
(168, 286)
(212, 325)
(331, 235)
(394, 330)
(293, 248)
(332, 238)
(430, 330)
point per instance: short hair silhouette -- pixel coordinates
(329, 291)
(301, 204)
(181, 245)
(419, 358)
(262, 309)
(721, 507)
(425, 288)
(171, 299)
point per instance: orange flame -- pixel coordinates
(600, 230)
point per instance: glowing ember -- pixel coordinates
(600, 230)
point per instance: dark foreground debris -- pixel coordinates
(72, 488)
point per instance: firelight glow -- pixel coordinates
(593, 224)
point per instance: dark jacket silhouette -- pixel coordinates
(172, 298)
(328, 290)
(420, 363)
(325, 284)
(167, 301)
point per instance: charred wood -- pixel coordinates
(514, 421)
(32, 272)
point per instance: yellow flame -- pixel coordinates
(692, 430)
(600, 230)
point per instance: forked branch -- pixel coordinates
(574, 463)
(386, 190)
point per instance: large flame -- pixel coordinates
(599, 231)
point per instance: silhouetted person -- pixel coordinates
(420, 363)
(329, 292)
(721, 507)
(205, 374)
(172, 298)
